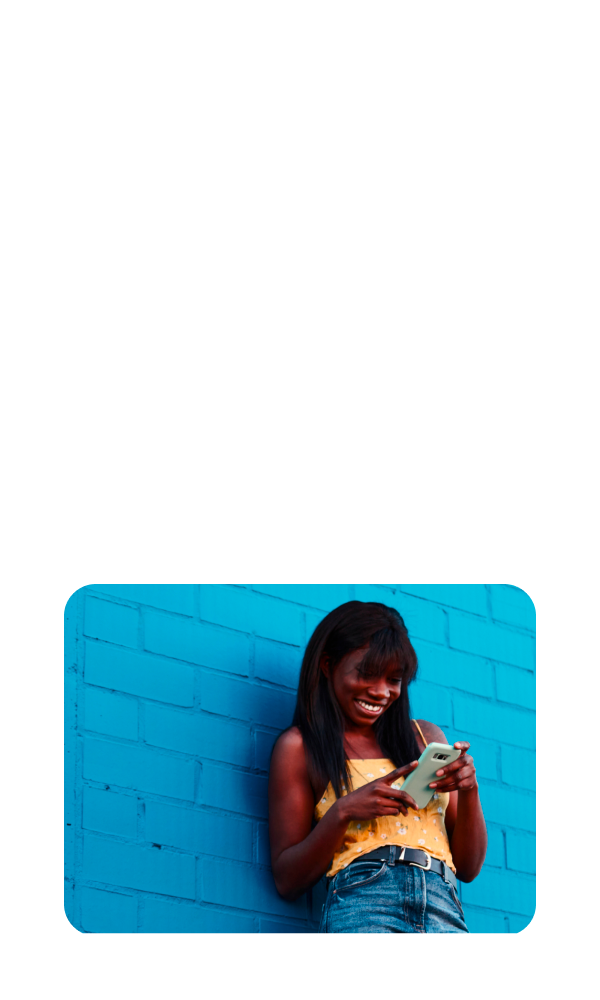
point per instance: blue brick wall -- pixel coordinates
(174, 696)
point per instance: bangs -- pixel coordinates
(388, 651)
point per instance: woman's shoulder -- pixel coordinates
(290, 740)
(289, 748)
(289, 757)
(431, 732)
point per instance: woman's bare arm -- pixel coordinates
(299, 855)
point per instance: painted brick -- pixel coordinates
(111, 714)
(246, 888)
(108, 812)
(495, 851)
(507, 807)
(70, 629)
(325, 596)
(139, 673)
(198, 832)
(512, 605)
(506, 725)
(177, 597)
(515, 685)
(149, 869)
(69, 904)
(475, 636)
(518, 924)
(518, 767)
(264, 846)
(263, 745)
(163, 917)
(235, 791)
(232, 607)
(466, 596)
(277, 663)
(138, 768)
(250, 702)
(312, 619)
(378, 593)
(70, 700)
(271, 623)
(484, 921)
(70, 747)
(196, 643)
(501, 891)
(107, 912)
(427, 701)
(422, 619)
(199, 734)
(111, 622)
(243, 609)
(275, 927)
(70, 776)
(69, 853)
(441, 665)
(520, 851)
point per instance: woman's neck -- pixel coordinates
(361, 746)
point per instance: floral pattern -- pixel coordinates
(397, 831)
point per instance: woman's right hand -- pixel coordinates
(378, 798)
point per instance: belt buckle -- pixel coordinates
(426, 867)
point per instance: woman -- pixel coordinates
(336, 804)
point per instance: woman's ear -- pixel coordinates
(325, 665)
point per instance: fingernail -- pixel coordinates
(439, 773)
(433, 784)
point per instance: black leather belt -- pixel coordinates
(395, 854)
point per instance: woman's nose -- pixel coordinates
(379, 690)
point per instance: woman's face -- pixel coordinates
(363, 699)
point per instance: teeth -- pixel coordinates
(369, 707)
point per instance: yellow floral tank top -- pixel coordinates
(424, 829)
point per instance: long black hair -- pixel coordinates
(318, 715)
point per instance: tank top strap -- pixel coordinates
(420, 732)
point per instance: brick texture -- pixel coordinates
(174, 696)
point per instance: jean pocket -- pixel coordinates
(361, 873)
(457, 900)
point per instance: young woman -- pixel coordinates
(336, 804)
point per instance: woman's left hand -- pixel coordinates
(459, 776)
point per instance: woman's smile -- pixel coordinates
(370, 707)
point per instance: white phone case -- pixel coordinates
(434, 756)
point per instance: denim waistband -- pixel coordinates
(393, 854)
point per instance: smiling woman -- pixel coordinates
(359, 652)
(336, 804)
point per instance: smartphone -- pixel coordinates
(434, 756)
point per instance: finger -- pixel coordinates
(400, 771)
(406, 799)
(386, 807)
(455, 773)
(454, 766)
(449, 778)
(462, 746)
(450, 783)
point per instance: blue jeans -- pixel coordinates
(373, 897)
